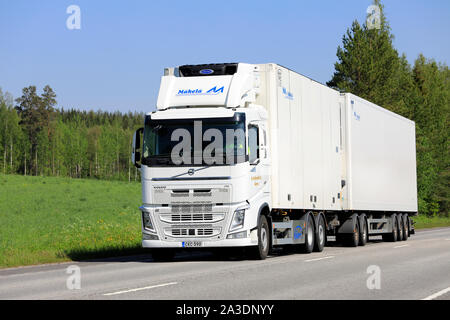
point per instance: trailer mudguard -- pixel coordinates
(308, 215)
(349, 225)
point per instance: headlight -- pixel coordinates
(238, 219)
(147, 221)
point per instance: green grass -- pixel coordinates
(50, 219)
(423, 222)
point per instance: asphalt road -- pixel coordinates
(415, 269)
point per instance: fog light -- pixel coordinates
(237, 235)
(148, 236)
(147, 221)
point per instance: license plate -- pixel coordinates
(191, 244)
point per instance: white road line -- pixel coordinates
(317, 259)
(405, 245)
(139, 289)
(437, 294)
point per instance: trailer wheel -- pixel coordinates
(363, 232)
(400, 225)
(392, 237)
(408, 225)
(308, 246)
(405, 227)
(163, 255)
(411, 226)
(321, 235)
(261, 251)
(353, 238)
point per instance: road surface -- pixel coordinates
(415, 269)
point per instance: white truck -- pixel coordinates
(259, 156)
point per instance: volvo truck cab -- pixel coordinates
(204, 161)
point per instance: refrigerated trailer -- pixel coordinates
(259, 156)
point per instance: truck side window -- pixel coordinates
(253, 143)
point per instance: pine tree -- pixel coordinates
(35, 113)
(368, 64)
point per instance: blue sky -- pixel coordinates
(115, 61)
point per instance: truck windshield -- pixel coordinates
(190, 142)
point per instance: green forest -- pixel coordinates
(37, 138)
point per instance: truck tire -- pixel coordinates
(405, 227)
(400, 227)
(308, 246)
(261, 251)
(352, 239)
(363, 232)
(163, 254)
(321, 235)
(392, 237)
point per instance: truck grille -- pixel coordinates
(192, 217)
(194, 208)
(197, 232)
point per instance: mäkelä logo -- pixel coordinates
(198, 92)
(288, 94)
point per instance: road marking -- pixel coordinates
(317, 259)
(139, 289)
(405, 245)
(437, 294)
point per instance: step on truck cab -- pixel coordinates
(257, 156)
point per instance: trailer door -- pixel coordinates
(335, 155)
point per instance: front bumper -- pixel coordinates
(252, 240)
(173, 226)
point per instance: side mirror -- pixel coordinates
(136, 150)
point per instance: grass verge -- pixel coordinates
(425, 222)
(52, 219)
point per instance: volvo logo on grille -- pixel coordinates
(191, 172)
